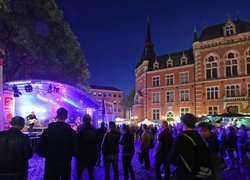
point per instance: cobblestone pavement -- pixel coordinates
(36, 170)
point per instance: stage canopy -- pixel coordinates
(45, 97)
(147, 122)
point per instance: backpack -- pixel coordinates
(202, 166)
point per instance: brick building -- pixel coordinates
(206, 79)
(112, 94)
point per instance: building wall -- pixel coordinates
(115, 96)
(198, 84)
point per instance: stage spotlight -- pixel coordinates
(50, 88)
(28, 88)
(56, 89)
(16, 91)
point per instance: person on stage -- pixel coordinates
(31, 120)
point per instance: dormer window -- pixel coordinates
(183, 61)
(229, 28)
(169, 63)
(156, 65)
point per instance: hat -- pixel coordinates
(189, 120)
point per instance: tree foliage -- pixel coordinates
(36, 42)
(128, 101)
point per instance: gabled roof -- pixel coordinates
(216, 31)
(175, 57)
(109, 88)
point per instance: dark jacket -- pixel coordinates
(57, 144)
(87, 138)
(231, 141)
(165, 140)
(184, 146)
(127, 141)
(15, 150)
(212, 143)
(100, 134)
(110, 145)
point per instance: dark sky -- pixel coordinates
(112, 32)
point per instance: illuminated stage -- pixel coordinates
(45, 97)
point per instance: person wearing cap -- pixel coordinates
(87, 138)
(15, 150)
(57, 145)
(190, 153)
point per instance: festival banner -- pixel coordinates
(109, 110)
(8, 107)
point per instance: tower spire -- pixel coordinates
(148, 52)
(195, 34)
(148, 33)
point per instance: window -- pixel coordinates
(233, 91)
(156, 114)
(114, 95)
(231, 64)
(184, 95)
(110, 95)
(212, 110)
(119, 110)
(211, 67)
(156, 65)
(156, 81)
(212, 93)
(119, 95)
(170, 114)
(99, 94)
(248, 61)
(229, 28)
(139, 87)
(184, 110)
(105, 94)
(170, 96)
(114, 102)
(156, 97)
(170, 79)
(183, 61)
(184, 77)
(169, 63)
(94, 93)
(248, 90)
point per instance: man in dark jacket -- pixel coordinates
(100, 134)
(15, 150)
(189, 153)
(87, 139)
(57, 145)
(164, 144)
(231, 144)
(110, 150)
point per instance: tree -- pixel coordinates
(36, 42)
(128, 101)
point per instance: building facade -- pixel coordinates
(112, 94)
(209, 78)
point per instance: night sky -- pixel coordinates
(112, 32)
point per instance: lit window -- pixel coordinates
(231, 64)
(184, 77)
(184, 95)
(170, 79)
(213, 93)
(212, 110)
(211, 67)
(184, 110)
(156, 114)
(248, 61)
(156, 81)
(156, 97)
(170, 96)
(170, 114)
(233, 91)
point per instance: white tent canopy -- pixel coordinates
(147, 122)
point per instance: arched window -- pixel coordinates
(156, 65)
(248, 61)
(231, 64)
(170, 114)
(169, 63)
(233, 91)
(211, 67)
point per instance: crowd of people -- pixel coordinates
(196, 151)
